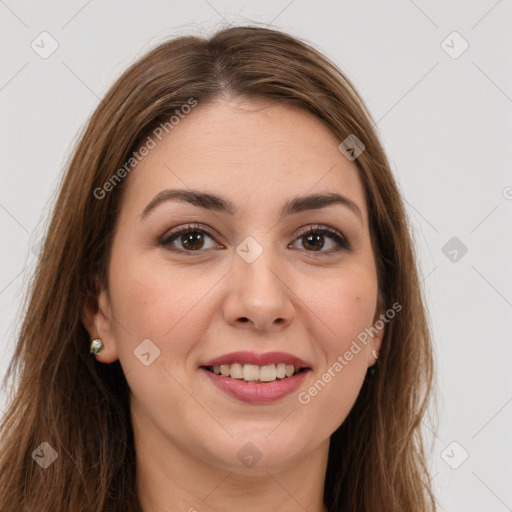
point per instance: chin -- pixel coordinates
(255, 451)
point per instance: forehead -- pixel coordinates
(255, 152)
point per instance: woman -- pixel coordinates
(227, 312)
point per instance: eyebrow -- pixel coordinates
(217, 203)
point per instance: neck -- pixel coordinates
(170, 479)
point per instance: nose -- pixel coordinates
(259, 296)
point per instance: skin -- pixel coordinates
(194, 308)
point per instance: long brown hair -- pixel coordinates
(80, 407)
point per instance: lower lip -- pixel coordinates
(257, 393)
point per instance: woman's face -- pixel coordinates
(256, 274)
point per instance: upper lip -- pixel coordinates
(247, 357)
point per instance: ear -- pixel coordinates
(98, 320)
(376, 340)
(379, 328)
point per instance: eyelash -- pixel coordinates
(339, 239)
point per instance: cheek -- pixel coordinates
(151, 302)
(344, 311)
(156, 302)
(346, 306)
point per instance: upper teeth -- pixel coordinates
(253, 372)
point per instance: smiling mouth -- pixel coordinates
(255, 373)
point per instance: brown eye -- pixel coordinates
(188, 238)
(193, 240)
(313, 240)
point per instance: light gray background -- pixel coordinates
(445, 123)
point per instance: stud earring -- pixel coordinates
(96, 346)
(371, 369)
